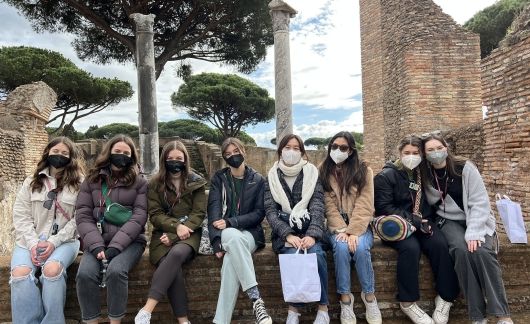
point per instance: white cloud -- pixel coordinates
(323, 128)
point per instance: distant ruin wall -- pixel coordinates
(421, 72)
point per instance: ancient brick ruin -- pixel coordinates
(506, 93)
(23, 117)
(420, 70)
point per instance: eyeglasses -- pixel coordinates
(342, 148)
(51, 197)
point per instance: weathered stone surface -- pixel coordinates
(281, 14)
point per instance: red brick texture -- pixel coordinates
(421, 72)
(506, 93)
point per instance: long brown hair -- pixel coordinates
(161, 179)
(103, 161)
(285, 140)
(353, 169)
(452, 161)
(72, 173)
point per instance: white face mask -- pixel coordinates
(411, 161)
(291, 157)
(338, 156)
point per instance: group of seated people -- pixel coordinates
(314, 208)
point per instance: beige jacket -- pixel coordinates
(360, 209)
(30, 218)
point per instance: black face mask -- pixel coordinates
(175, 166)
(58, 161)
(235, 160)
(121, 161)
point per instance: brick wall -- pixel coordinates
(421, 71)
(22, 139)
(372, 83)
(468, 141)
(202, 281)
(506, 93)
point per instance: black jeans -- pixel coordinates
(89, 277)
(169, 279)
(408, 265)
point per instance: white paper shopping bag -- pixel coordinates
(512, 219)
(300, 280)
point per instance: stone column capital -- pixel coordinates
(144, 23)
(281, 13)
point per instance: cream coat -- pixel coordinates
(30, 218)
(360, 208)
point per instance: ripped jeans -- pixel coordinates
(32, 305)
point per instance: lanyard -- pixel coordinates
(58, 206)
(444, 192)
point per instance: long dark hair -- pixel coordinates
(161, 179)
(72, 173)
(285, 140)
(353, 169)
(453, 162)
(103, 161)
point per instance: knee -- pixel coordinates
(20, 272)
(232, 236)
(341, 249)
(362, 252)
(52, 269)
(177, 255)
(116, 273)
(410, 250)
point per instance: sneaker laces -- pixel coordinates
(444, 307)
(417, 310)
(346, 311)
(260, 311)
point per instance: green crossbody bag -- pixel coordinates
(115, 213)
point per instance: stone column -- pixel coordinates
(281, 14)
(147, 118)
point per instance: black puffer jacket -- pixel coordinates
(392, 195)
(251, 211)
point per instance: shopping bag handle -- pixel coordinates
(498, 197)
(298, 251)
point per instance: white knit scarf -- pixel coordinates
(299, 211)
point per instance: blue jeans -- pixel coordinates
(29, 304)
(362, 259)
(322, 270)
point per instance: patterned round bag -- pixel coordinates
(393, 228)
(205, 247)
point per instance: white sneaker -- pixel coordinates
(258, 308)
(373, 314)
(482, 321)
(322, 317)
(441, 312)
(347, 316)
(292, 317)
(143, 317)
(416, 314)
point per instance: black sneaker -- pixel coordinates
(260, 312)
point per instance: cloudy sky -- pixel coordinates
(325, 65)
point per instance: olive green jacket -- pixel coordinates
(192, 203)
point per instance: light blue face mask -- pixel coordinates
(437, 157)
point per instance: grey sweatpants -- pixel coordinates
(479, 273)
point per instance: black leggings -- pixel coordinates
(436, 249)
(169, 279)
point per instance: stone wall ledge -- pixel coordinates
(202, 275)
